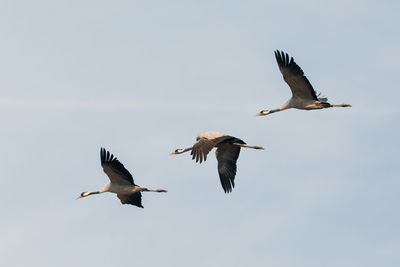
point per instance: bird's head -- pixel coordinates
(177, 151)
(180, 150)
(264, 112)
(83, 194)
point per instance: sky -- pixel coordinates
(142, 78)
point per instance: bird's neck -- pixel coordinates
(184, 150)
(277, 109)
(91, 193)
(106, 188)
(292, 102)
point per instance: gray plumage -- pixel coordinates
(303, 94)
(121, 181)
(227, 153)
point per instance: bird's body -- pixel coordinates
(209, 135)
(121, 181)
(304, 103)
(303, 94)
(227, 153)
(121, 189)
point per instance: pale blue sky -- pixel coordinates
(142, 78)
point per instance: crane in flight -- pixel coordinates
(227, 153)
(121, 181)
(303, 94)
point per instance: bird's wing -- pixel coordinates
(294, 77)
(133, 199)
(114, 169)
(204, 145)
(227, 156)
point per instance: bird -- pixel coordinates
(303, 94)
(121, 181)
(227, 153)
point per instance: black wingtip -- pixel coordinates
(229, 189)
(227, 184)
(282, 58)
(102, 155)
(277, 57)
(106, 156)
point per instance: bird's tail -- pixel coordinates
(322, 98)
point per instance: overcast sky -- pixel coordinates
(142, 78)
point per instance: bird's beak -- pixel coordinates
(78, 197)
(172, 153)
(258, 114)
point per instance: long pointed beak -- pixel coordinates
(172, 153)
(258, 114)
(78, 197)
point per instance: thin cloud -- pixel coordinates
(76, 104)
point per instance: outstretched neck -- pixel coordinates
(181, 150)
(277, 109)
(85, 194)
(267, 112)
(91, 193)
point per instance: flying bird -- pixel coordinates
(303, 94)
(121, 181)
(227, 153)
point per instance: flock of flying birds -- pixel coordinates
(228, 147)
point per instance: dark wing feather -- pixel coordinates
(227, 156)
(204, 145)
(114, 169)
(133, 199)
(294, 77)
